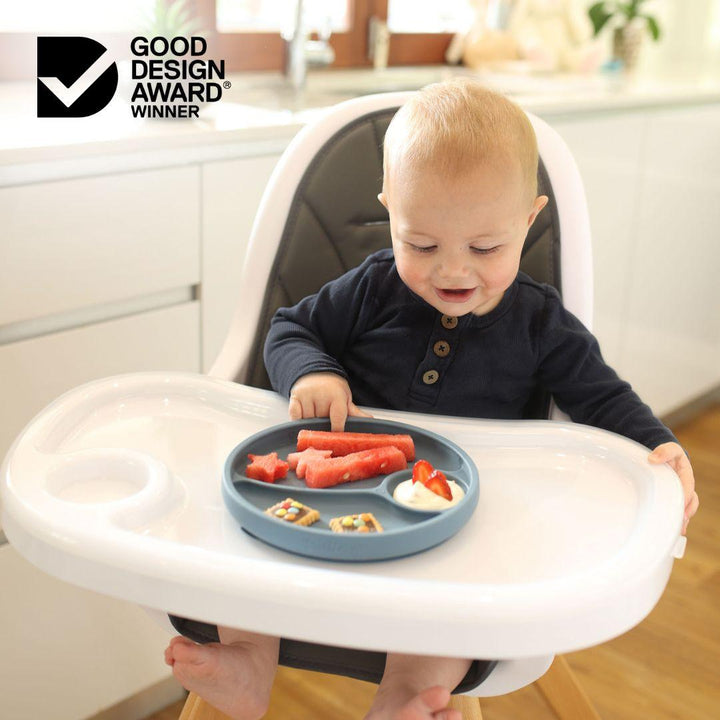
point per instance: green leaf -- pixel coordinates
(599, 15)
(628, 9)
(653, 27)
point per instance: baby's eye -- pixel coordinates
(485, 251)
(423, 248)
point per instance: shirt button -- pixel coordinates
(431, 377)
(441, 348)
(449, 322)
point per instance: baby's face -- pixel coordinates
(457, 241)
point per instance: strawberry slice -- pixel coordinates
(437, 482)
(421, 471)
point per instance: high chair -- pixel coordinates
(115, 486)
(320, 216)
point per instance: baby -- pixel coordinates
(442, 323)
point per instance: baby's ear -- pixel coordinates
(383, 199)
(540, 202)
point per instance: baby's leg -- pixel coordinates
(416, 687)
(235, 675)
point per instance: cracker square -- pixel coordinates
(362, 523)
(294, 512)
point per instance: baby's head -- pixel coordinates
(460, 184)
(454, 127)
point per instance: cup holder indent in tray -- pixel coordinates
(101, 476)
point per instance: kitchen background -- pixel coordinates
(123, 238)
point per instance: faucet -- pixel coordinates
(300, 52)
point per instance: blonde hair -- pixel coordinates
(456, 126)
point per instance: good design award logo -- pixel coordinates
(171, 78)
(76, 77)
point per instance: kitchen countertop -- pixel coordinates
(261, 112)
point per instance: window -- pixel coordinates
(260, 47)
(427, 16)
(244, 33)
(277, 15)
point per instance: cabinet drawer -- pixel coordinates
(70, 652)
(89, 241)
(35, 372)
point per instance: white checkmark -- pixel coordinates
(68, 95)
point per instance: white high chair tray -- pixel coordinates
(116, 487)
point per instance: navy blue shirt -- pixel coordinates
(397, 351)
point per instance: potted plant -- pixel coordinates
(630, 23)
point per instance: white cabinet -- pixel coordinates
(652, 180)
(69, 653)
(231, 196)
(673, 316)
(608, 153)
(96, 240)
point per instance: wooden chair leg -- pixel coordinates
(468, 706)
(564, 693)
(196, 708)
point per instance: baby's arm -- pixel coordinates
(306, 342)
(672, 454)
(323, 394)
(584, 386)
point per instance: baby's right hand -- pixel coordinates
(323, 394)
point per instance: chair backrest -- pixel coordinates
(320, 216)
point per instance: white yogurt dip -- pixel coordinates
(416, 495)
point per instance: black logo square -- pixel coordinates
(76, 77)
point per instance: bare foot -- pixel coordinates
(430, 703)
(414, 687)
(235, 678)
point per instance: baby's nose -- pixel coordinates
(453, 265)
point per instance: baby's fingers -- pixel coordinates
(667, 452)
(690, 509)
(301, 408)
(355, 411)
(294, 409)
(338, 414)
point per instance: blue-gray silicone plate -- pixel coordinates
(406, 531)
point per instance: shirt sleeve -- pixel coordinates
(312, 335)
(572, 368)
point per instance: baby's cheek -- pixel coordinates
(411, 276)
(503, 276)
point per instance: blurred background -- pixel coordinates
(248, 33)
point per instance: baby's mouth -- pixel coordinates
(454, 295)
